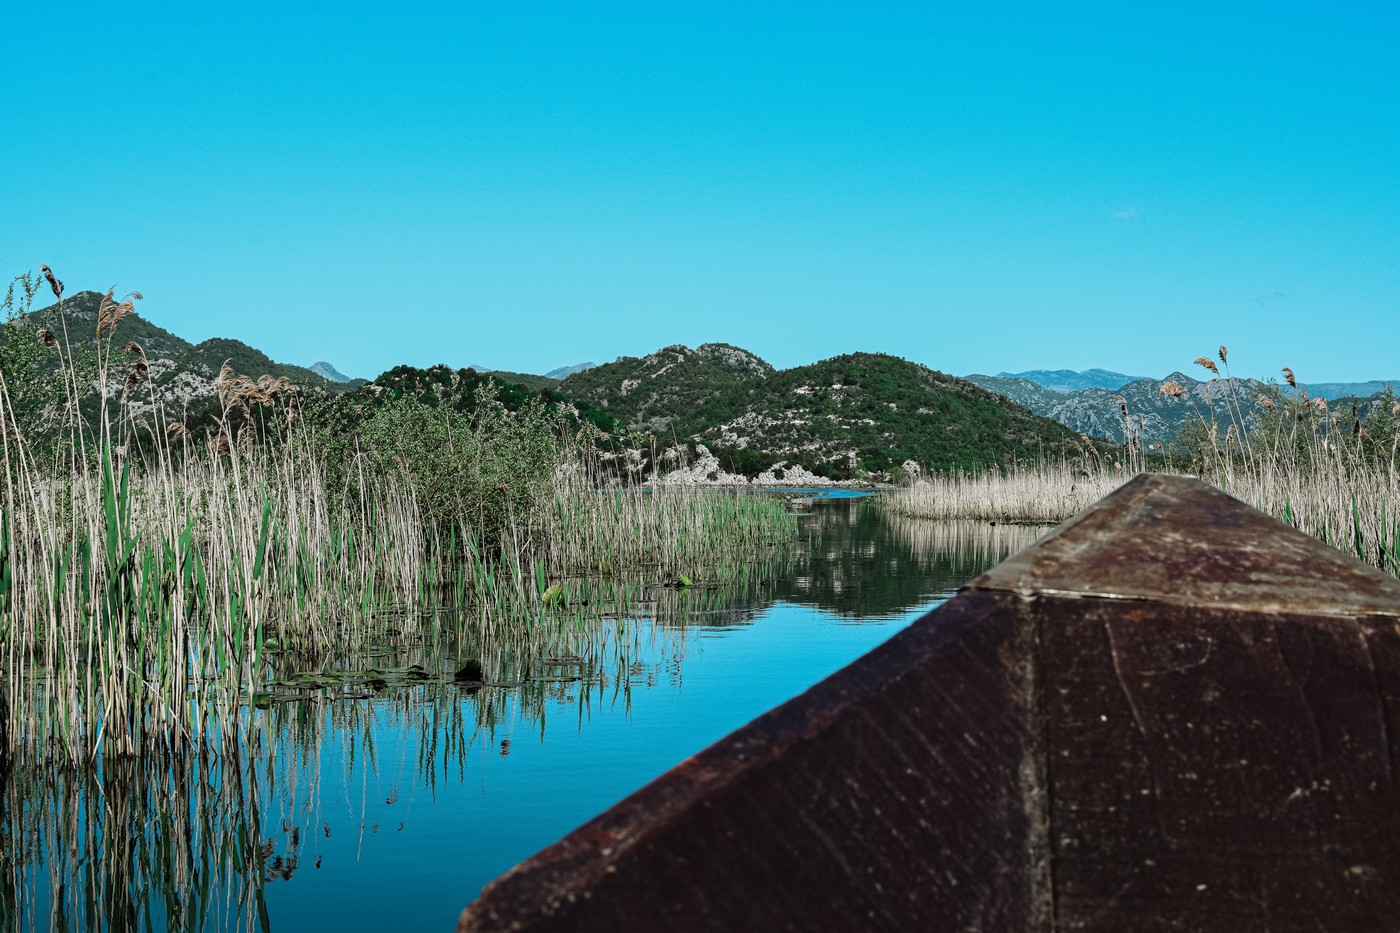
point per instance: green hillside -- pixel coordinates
(80, 315)
(852, 415)
(867, 412)
(529, 380)
(213, 353)
(672, 391)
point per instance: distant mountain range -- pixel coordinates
(860, 413)
(1065, 381)
(1155, 417)
(1338, 390)
(563, 372)
(531, 380)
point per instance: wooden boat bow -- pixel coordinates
(1173, 712)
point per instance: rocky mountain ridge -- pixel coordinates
(856, 414)
(563, 372)
(322, 368)
(671, 390)
(1155, 415)
(1067, 380)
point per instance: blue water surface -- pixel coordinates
(861, 578)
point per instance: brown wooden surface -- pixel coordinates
(1171, 713)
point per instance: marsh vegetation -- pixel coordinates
(154, 565)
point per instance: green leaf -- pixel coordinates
(262, 538)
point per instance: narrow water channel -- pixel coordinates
(391, 812)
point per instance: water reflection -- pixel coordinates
(129, 846)
(863, 564)
(380, 791)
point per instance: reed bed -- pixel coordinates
(1046, 493)
(1340, 485)
(139, 602)
(148, 575)
(674, 529)
(968, 545)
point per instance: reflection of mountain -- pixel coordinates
(861, 564)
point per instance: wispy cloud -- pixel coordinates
(1126, 214)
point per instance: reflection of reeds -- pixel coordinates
(132, 846)
(977, 544)
(192, 841)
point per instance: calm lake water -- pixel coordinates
(392, 811)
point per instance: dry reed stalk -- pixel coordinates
(1026, 493)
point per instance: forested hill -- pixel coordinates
(862, 413)
(675, 389)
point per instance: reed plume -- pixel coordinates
(54, 284)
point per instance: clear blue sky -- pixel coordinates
(980, 188)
